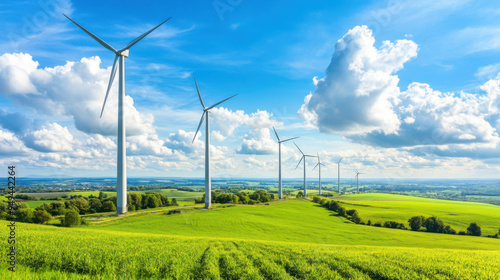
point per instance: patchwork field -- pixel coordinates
(391, 207)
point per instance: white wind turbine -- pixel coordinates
(338, 175)
(121, 180)
(206, 111)
(279, 144)
(303, 158)
(319, 166)
(357, 176)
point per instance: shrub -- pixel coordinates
(41, 216)
(462, 232)
(433, 224)
(350, 212)
(474, 229)
(355, 218)
(342, 211)
(316, 199)
(300, 194)
(24, 215)
(71, 218)
(174, 202)
(369, 223)
(447, 229)
(108, 206)
(416, 222)
(377, 224)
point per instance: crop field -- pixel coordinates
(50, 252)
(458, 214)
(292, 239)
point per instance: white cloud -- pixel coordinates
(50, 138)
(11, 145)
(75, 89)
(488, 71)
(359, 91)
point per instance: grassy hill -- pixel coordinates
(294, 239)
(399, 208)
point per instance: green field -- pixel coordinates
(391, 207)
(293, 239)
(35, 204)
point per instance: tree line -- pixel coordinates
(239, 198)
(70, 210)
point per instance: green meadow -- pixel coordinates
(399, 208)
(290, 239)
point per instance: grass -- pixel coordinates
(284, 240)
(290, 221)
(391, 207)
(35, 204)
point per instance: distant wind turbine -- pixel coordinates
(208, 180)
(279, 145)
(303, 158)
(319, 167)
(357, 176)
(121, 180)
(338, 175)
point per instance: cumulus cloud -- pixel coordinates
(359, 98)
(359, 91)
(50, 138)
(75, 89)
(11, 145)
(258, 139)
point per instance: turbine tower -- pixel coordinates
(206, 111)
(319, 167)
(279, 145)
(338, 175)
(303, 158)
(121, 180)
(357, 176)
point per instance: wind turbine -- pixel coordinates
(338, 175)
(208, 182)
(121, 180)
(357, 175)
(319, 167)
(303, 158)
(279, 144)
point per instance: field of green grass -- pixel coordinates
(391, 207)
(35, 204)
(292, 239)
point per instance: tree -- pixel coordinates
(71, 218)
(355, 217)
(474, 229)
(81, 204)
(95, 205)
(24, 215)
(41, 216)
(174, 202)
(300, 194)
(434, 224)
(102, 195)
(447, 229)
(416, 222)
(108, 206)
(341, 211)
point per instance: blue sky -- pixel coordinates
(400, 89)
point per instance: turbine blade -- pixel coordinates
(136, 40)
(199, 95)
(290, 139)
(111, 79)
(220, 102)
(340, 160)
(104, 44)
(299, 149)
(315, 166)
(299, 162)
(201, 121)
(276, 134)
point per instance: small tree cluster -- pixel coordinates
(240, 197)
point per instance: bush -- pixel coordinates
(448, 230)
(369, 223)
(300, 194)
(416, 222)
(342, 211)
(355, 218)
(71, 218)
(41, 216)
(350, 212)
(393, 224)
(377, 224)
(433, 224)
(462, 232)
(108, 206)
(174, 202)
(24, 215)
(474, 229)
(316, 199)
